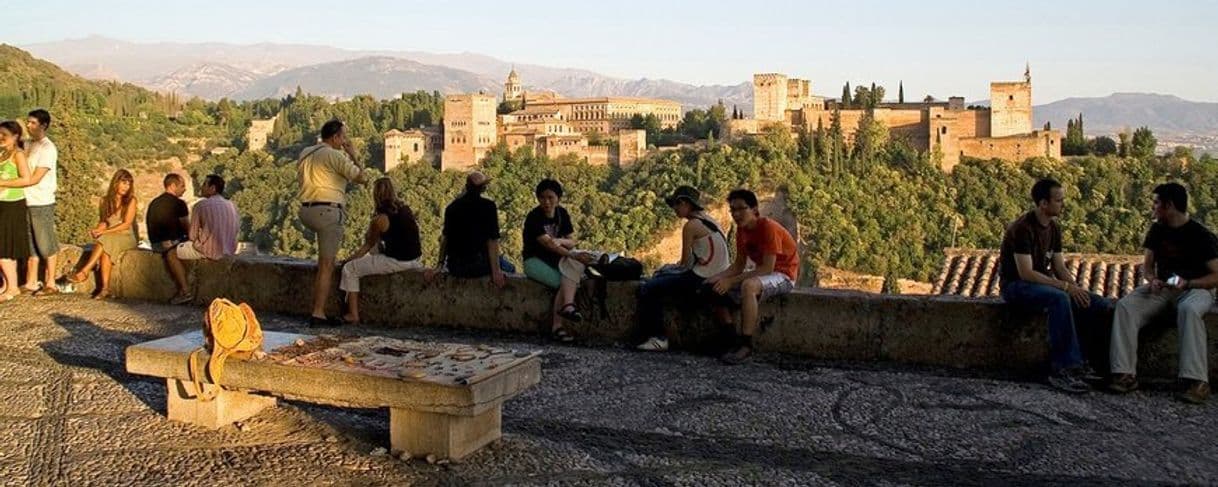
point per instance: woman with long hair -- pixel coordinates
(114, 233)
(14, 219)
(390, 245)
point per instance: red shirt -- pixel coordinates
(767, 237)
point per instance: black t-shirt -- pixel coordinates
(536, 224)
(470, 222)
(401, 241)
(1183, 251)
(164, 218)
(1027, 236)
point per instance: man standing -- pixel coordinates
(772, 250)
(1181, 265)
(168, 225)
(324, 171)
(469, 244)
(43, 158)
(1034, 275)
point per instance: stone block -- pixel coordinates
(185, 405)
(443, 435)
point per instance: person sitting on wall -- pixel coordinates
(1181, 267)
(114, 234)
(704, 254)
(469, 242)
(1034, 275)
(214, 224)
(390, 245)
(168, 220)
(771, 249)
(550, 256)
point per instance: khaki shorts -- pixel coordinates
(327, 222)
(187, 251)
(772, 284)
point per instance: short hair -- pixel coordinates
(1173, 193)
(331, 128)
(215, 181)
(1043, 189)
(745, 195)
(171, 178)
(43, 116)
(548, 184)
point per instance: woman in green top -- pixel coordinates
(114, 233)
(14, 218)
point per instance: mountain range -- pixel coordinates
(244, 72)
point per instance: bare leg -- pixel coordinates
(104, 268)
(49, 274)
(95, 254)
(31, 273)
(9, 268)
(749, 291)
(555, 320)
(321, 285)
(177, 270)
(352, 307)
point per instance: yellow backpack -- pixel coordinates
(229, 330)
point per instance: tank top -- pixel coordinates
(8, 172)
(401, 241)
(710, 252)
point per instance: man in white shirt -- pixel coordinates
(40, 196)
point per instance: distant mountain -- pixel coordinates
(151, 64)
(206, 80)
(1165, 114)
(382, 77)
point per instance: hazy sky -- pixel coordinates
(1078, 48)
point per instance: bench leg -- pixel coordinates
(442, 435)
(228, 406)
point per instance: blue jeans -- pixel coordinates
(1064, 349)
(652, 294)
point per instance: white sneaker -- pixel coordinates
(654, 344)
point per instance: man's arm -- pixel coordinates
(32, 179)
(1151, 271)
(1023, 264)
(1208, 281)
(492, 251)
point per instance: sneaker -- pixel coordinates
(1088, 374)
(1196, 393)
(181, 299)
(1123, 383)
(738, 356)
(654, 344)
(1068, 380)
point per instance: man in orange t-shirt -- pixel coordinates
(772, 251)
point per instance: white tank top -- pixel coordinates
(710, 251)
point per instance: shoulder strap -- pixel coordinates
(314, 151)
(710, 224)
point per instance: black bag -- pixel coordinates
(604, 270)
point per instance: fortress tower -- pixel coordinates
(1011, 106)
(770, 97)
(512, 90)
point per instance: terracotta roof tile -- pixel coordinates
(974, 273)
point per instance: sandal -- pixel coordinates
(568, 312)
(77, 277)
(102, 293)
(562, 335)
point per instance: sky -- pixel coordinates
(942, 48)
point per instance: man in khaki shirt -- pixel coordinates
(324, 171)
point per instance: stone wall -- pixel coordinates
(1011, 108)
(810, 322)
(1041, 143)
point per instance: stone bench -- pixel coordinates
(443, 399)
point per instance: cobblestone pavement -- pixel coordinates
(70, 415)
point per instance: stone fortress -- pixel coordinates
(597, 130)
(1003, 130)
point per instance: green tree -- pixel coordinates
(1102, 146)
(1144, 143)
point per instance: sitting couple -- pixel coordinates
(765, 266)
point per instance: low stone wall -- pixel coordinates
(811, 322)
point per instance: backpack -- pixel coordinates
(229, 330)
(604, 270)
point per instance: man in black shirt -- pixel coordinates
(1034, 275)
(168, 225)
(1181, 267)
(469, 244)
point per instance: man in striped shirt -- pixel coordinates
(213, 229)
